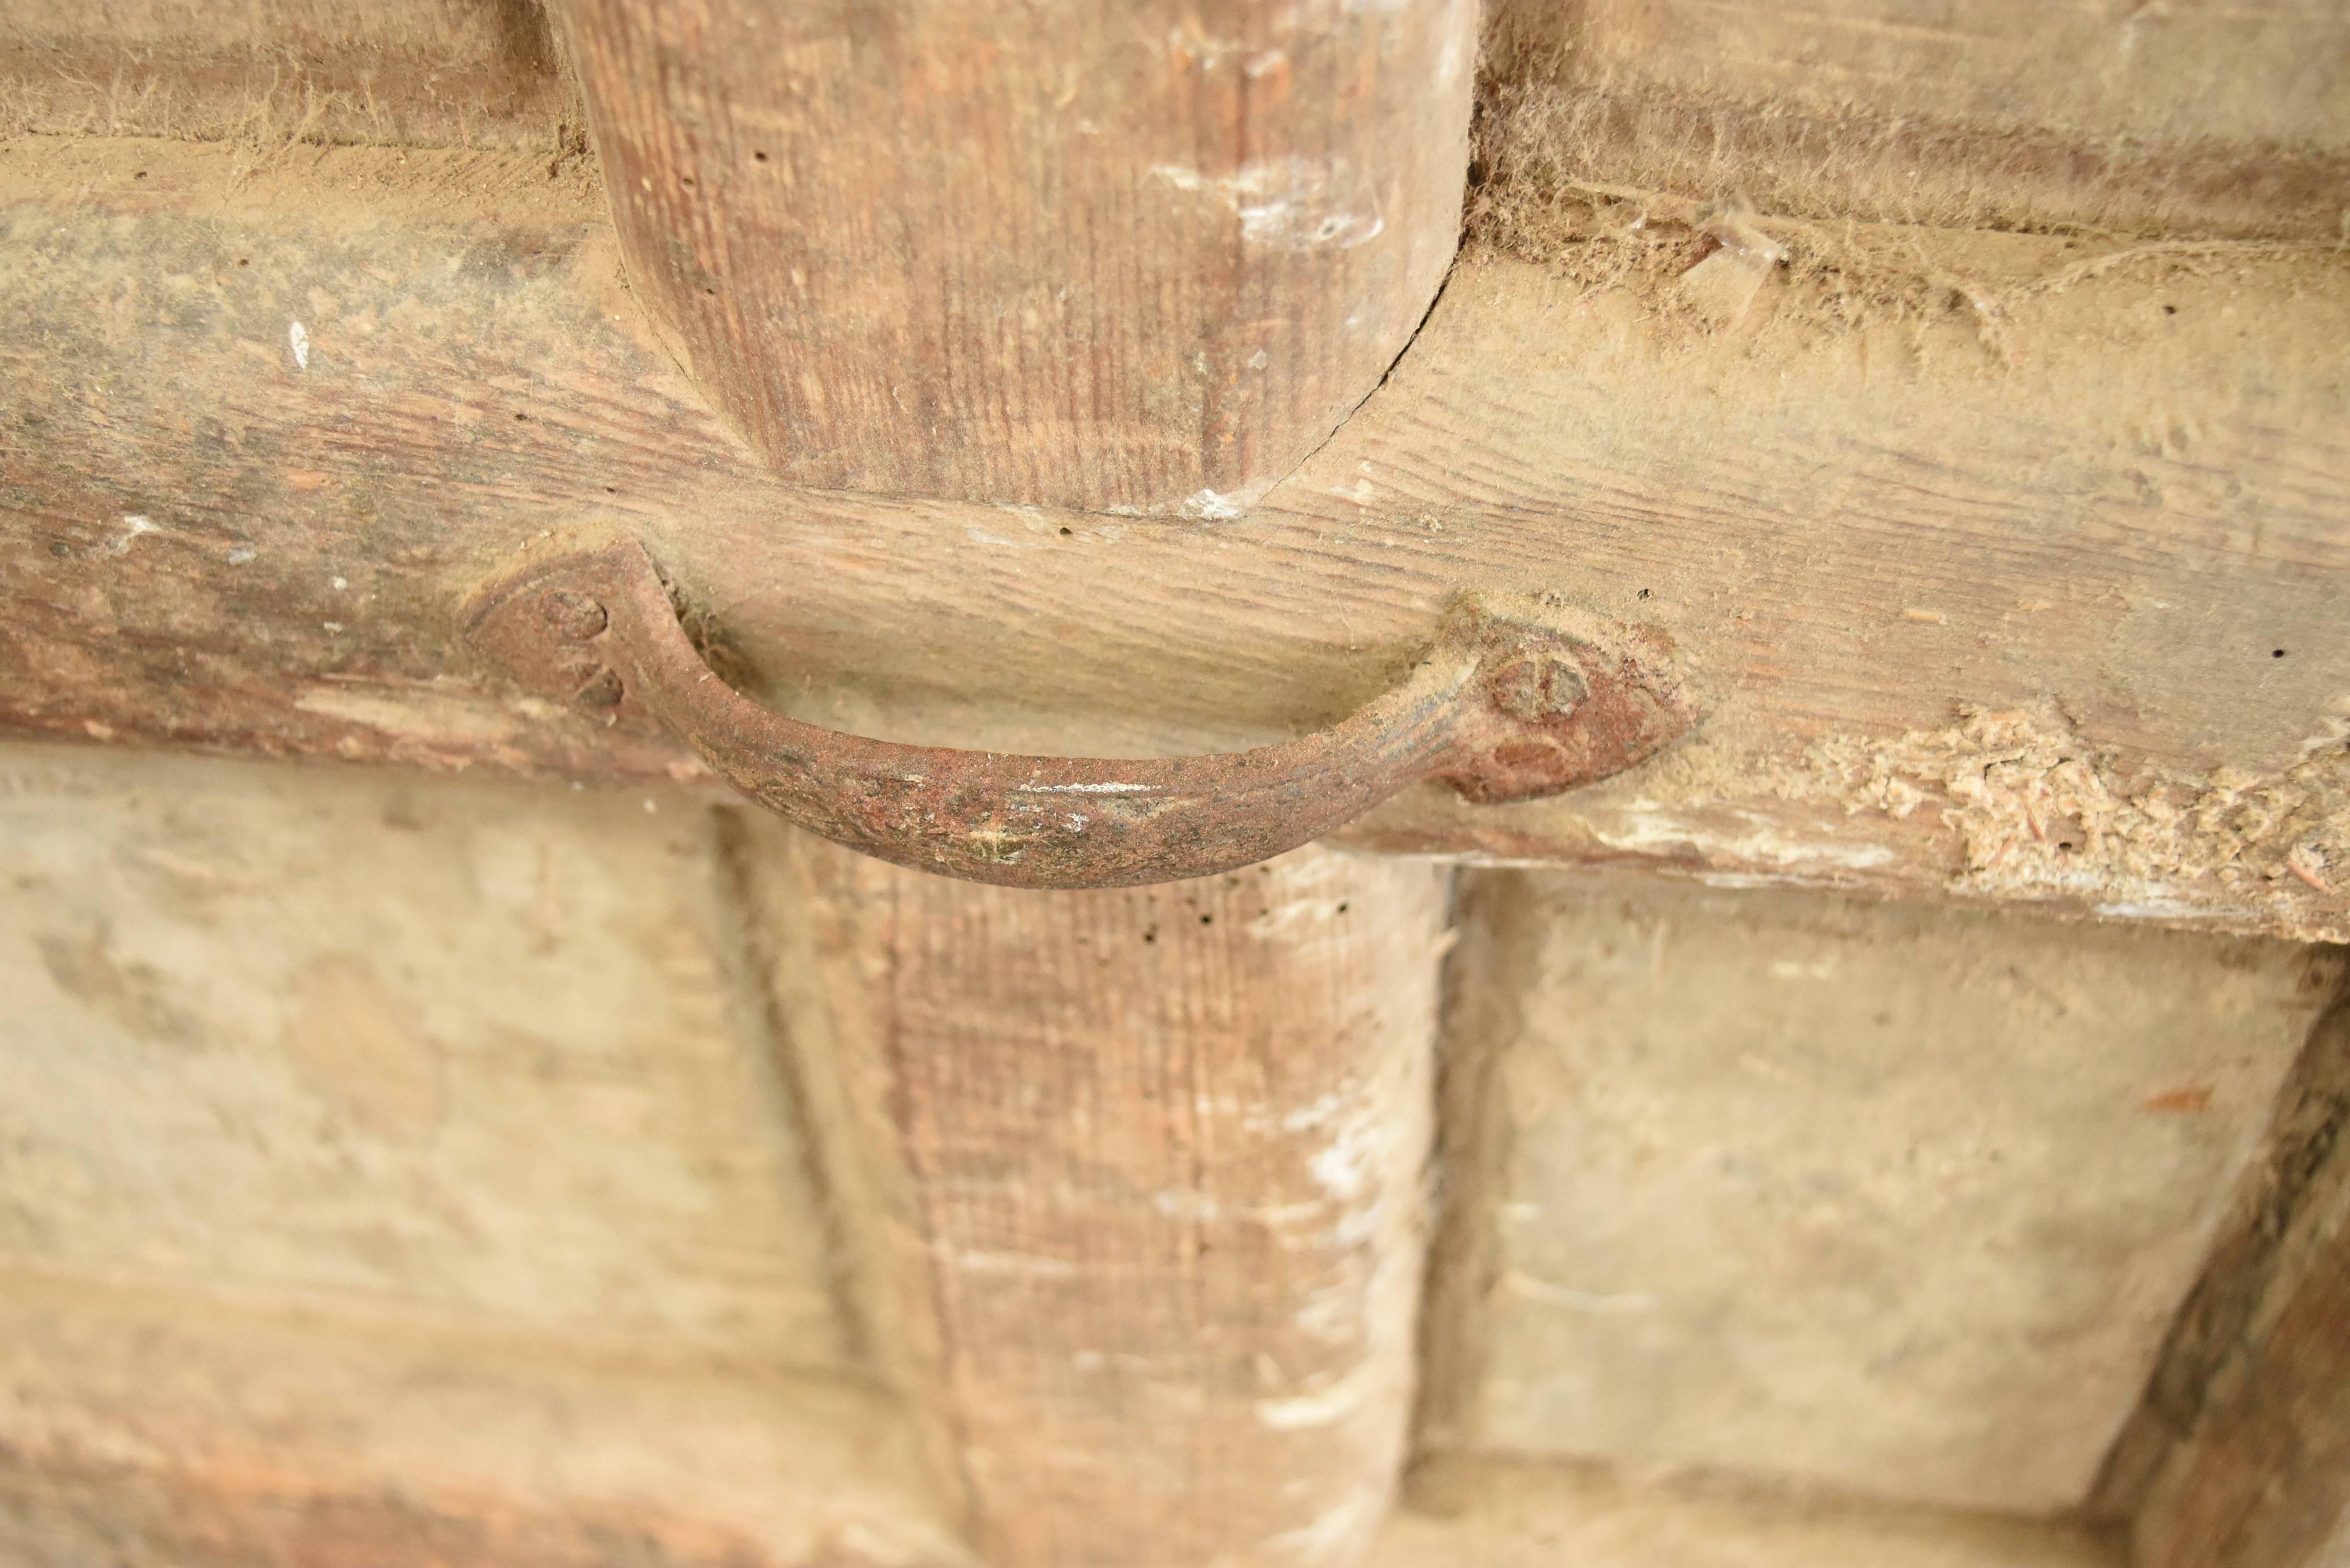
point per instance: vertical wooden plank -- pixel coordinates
(1148, 1170)
(2241, 1452)
(1139, 256)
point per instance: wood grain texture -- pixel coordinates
(169, 1429)
(2240, 1455)
(1975, 608)
(160, 1429)
(269, 73)
(2193, 118)
(1146, 1168)
(1145, 257)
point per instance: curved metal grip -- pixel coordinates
(1517, 698)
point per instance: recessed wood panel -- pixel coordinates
(1895, 1199)
(453, 1054)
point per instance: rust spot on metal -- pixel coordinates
(1518, 697)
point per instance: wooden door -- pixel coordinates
(1789, 563)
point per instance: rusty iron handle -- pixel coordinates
(1517, 698)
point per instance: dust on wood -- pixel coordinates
(2126, 513)
(2123, 120)
(2036, 810)
(265, 75)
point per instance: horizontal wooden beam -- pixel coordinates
(156, 1424)
(2007, 568)
(2173, 121)
(267, 74)
(148, 1426)
(2137, 119)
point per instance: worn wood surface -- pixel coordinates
(175, 1429)
(326, 1039)
(1145, 1168)
(158, 1430)
(1143, 258)
(1496, 1512)
(2241, 1455)
(2183, 118)
(2031, 603)
(1895, 1199)
(267, 74)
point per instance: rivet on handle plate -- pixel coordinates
(1517, 698)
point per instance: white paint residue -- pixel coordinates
(1291, 203)
(1212, 506)
(1592, 1302)
(1345, 1168)
(1649, 829)
(2161, 910)
(133, 527)
(1460, 40)
(1323, 1406)
(301, 344)
(1323, 1110)
(1331, 1316)
(1332, 1536)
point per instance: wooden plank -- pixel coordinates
(1488, 1512)
(154, 1426)
(2239, 1456)
(1147, 1166)
(325, 1039)
(160, 1429)
(2179, 119)
(1890, 1198)
(1143, 259)
(2029, 601)
(264, 74)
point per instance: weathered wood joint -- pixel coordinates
(1517, 698)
